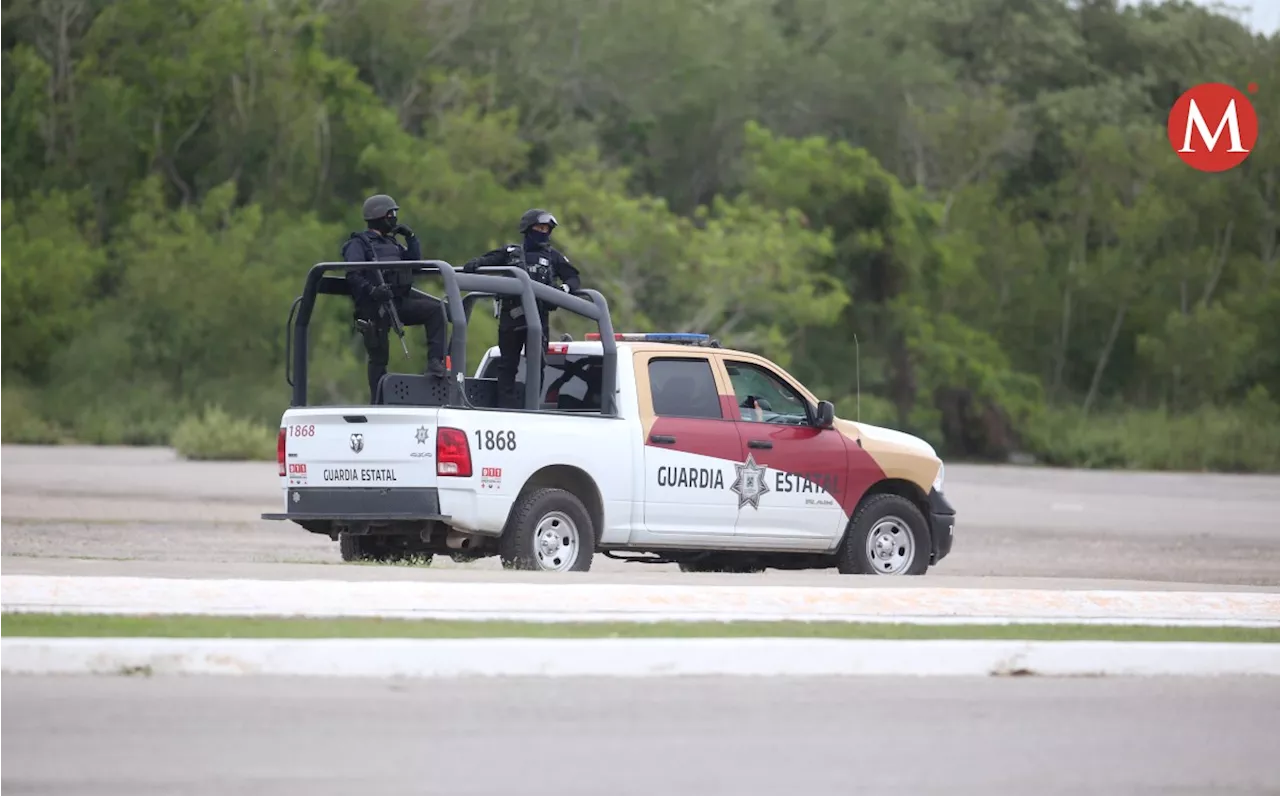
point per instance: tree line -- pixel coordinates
(969, 207)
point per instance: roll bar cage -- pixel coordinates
(490, 281)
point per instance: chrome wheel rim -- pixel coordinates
(891, 547)
(556, 542)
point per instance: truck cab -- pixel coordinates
(739, 456)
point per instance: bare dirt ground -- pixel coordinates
(93, 510)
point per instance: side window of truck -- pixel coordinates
(684, 387)
(764, 398)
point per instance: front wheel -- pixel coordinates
(550, 530)
(887, 536)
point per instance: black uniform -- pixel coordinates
(544, 264)
(371, 245)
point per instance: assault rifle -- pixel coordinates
(390, 308)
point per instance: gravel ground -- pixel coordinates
(145, 508)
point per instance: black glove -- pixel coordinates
(470, 267)
(381, 293)
(402, 230)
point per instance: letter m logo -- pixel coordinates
(1213, 127)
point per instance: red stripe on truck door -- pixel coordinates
(720, 439)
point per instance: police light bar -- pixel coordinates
(655, 337)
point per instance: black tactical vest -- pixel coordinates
(379, 248)
(510, 310)
(538, 264)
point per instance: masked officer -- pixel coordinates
(372, 291)
(543, 264)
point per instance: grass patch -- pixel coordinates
(1240, 439)
(86, 625)
(217, 436)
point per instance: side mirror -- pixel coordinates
(826, 414)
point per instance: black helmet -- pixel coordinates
(378, 206)
(536, 216)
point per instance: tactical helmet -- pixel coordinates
(378, 206)
(536, 216)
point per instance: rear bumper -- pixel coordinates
(942, 523)
(355, 504)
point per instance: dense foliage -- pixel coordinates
(975, 199)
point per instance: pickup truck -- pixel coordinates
(662, 448)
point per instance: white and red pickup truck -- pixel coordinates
(653, 447)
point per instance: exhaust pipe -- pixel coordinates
(460, 541)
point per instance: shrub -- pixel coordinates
(1219, 439)
(22, 424)
(216, 435)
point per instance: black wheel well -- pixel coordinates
(904, 488)
(571, 479)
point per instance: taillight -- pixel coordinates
(453, 453)
(280, 452)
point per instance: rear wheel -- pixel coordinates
(887, 536)
(549, 530)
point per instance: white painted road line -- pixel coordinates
(629, 657)
(622, 602)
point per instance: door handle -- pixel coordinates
(662, 439)
(759, 443)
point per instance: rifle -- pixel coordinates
(390, 308)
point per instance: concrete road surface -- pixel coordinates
(145, 506)
(986, 737)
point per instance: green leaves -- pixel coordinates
(51, 266)
(744, 273)
(980, 192)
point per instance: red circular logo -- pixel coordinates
(1213, 127)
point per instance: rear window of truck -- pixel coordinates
(571, 381)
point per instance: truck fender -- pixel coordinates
(571, 479)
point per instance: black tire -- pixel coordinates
(553, 514)
(380, 549)
(889, 517)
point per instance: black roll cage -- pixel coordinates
(458, 312)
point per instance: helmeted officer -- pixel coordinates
(544, 264)
(371, 291)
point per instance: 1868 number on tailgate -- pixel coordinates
(488, 439)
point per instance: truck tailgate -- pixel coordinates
(360, 462)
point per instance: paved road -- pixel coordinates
(987, 737)
(147, 509)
